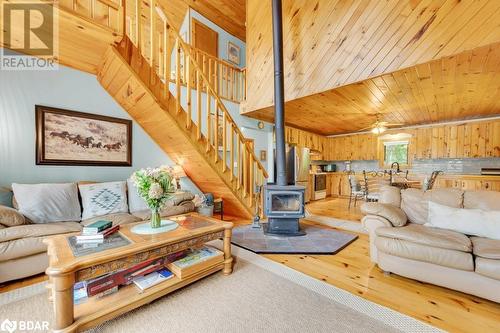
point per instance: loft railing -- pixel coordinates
(228, 80)
(107, 13)
(176, 64)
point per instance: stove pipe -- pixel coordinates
(279, 98)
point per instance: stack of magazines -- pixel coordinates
(97, 231)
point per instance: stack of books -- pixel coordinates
(97, 232)
(195, 261)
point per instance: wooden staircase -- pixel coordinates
(141, 72)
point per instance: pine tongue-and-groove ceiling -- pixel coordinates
(414, 62)
(230, 15)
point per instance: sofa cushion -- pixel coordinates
(10, 217)
(390, 195)
(135, 202)
(476, 222)
(488, 267)
(179, 197)
(487, 200)
(435, 255)
(38, 230)
(116, 218)
(414, 202)
(21, 247)
(185, 207)
(46, 203)
(103, 198)
(419, 234)
(393, 214)
(486, 248)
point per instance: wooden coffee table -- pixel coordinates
(65, 269)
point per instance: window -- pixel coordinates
(396, 151)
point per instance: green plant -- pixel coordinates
(156, 186)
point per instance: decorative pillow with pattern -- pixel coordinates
(103, 198)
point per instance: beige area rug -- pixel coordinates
(260, 296)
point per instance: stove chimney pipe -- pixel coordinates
(279, 98)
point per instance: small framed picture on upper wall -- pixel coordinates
(233, 53)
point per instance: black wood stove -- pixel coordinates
(283, 202)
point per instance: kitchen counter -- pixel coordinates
(422, 175)
(338, 184)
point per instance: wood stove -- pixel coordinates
(284, 206)
(283, 203)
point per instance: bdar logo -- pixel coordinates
(8, 326)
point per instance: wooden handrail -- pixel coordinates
(101, 15)
(195, 70)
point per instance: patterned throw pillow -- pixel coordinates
(103, 198)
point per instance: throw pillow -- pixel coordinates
(10, 217)
(476, 222)
(103, 198)
(45, 203)
(135, 202)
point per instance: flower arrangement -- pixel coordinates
(156, 186)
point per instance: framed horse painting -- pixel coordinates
(65, 137)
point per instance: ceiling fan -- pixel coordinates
(379, 127)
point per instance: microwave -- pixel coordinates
(329, 168)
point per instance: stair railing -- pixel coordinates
(228, 80)
(173, 61)
(106, 13)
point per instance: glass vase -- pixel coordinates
(155, 218)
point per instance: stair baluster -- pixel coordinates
(197, 70)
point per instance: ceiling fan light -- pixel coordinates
(379, 129)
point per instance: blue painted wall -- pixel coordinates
(224, 36)
(68, 89)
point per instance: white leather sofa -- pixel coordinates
(401, 244)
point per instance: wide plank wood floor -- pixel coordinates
(335, 207)
(352, 271)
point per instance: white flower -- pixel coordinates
(155, 191)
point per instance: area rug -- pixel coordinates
(260, 296)
(315, 241)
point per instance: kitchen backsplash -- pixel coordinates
(469, 166)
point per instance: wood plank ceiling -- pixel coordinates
(81, 43)
(463, 86)
(332, 43)
(230, 15)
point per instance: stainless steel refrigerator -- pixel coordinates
(298, 162)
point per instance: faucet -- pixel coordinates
(397, 167)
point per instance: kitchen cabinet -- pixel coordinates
(469, 182)
(469, 140)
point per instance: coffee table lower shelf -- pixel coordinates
(97, 310)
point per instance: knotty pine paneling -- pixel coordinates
(331, 43)
(462, 86)
(479, 139)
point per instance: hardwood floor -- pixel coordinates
(352, 271)
(335, 207)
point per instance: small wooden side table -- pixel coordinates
(219, 207)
